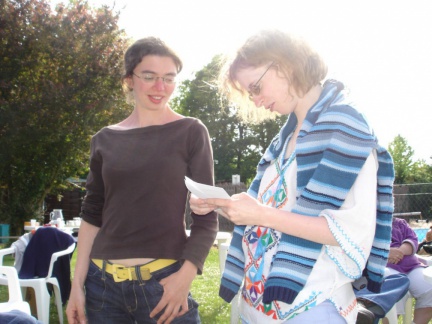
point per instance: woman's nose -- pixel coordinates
(159, 84)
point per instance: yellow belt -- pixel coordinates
(121, 273)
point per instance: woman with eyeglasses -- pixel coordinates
(319, 210)
(135, 263)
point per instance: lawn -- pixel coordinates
(205, 288)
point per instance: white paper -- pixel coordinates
(205, 191)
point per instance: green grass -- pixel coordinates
(205, 289)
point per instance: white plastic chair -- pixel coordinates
(15, 301)
(392, 315)
(40, 285)
(223, 252)
(408, 317)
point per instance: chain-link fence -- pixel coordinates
(411, 198)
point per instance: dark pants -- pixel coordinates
(130, 301)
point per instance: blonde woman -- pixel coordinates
(320, 207)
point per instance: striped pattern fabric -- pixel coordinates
(332, 146)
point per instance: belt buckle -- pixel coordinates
(145, 273)
(116, 268)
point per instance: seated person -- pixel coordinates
(428, 237)
(425, 247)
(403, 259)
(17, 317)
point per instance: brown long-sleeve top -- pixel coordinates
(137, 196)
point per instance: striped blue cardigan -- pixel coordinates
(332, 146)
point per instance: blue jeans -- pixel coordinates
(130, 301)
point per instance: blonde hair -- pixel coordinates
(301, 65)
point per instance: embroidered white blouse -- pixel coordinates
(353, 226)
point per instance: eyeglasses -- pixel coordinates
(152, 78)
(255, 89)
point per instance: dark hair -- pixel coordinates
(147, 46)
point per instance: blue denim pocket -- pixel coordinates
(95, 287)
(153, 292)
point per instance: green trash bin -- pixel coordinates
(4, 231)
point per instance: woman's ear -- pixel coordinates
(129, 83)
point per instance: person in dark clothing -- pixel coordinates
(135, 261)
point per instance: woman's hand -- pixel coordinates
(200, 206)
(75, 309)
(174, 302)
(241, 209)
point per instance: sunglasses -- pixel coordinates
(255, 89)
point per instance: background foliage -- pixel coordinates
(407, 170)
(237, 145)
(60, 83)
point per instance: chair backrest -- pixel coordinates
(6, 251)
(37, 255)
(15, 297)
(46, 242)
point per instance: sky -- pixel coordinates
(381, 50)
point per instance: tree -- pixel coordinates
(402, 155)
(407, 170)
(421, 172)
(59, 84)
(237, 146)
